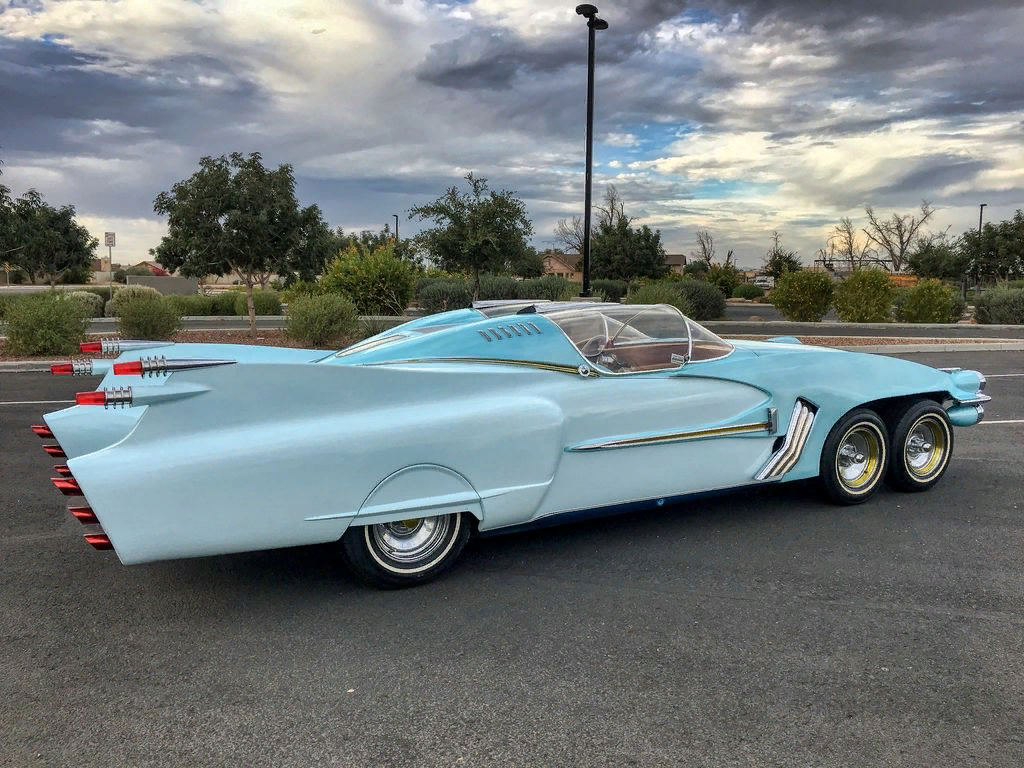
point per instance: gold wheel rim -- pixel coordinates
(926, 447)
(860, 458)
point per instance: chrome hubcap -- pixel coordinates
(410, 541)
(860, 458)
(925, 448)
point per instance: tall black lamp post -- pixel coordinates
(593, 24)
(396, 226)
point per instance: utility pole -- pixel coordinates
(396, 227)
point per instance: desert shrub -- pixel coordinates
(224, 302)
(549, 287)
(7, 300)
(102, 291)
(445, 295)
(379, 283)
(1001, 306)
(126, 294)
(930, 301)
(660, 293)
(613, 290)
(148, 317)
(500, 287)
(45, 324)
(192, 305)
(866, 296)
(264, 302)
(92, 304)
(325, 319)
(804, 296)
(747, 291)
(705, 300)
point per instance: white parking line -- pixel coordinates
(1001, 375)
(36, 402)
(1003, 421)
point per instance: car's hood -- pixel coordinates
(775, 348)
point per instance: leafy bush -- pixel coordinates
(445, 295)
(379, 283)
(660, 293)
(300, 290)
(930, 301)
(613, 290)
(705, 300)
(92, 304)
(148, 317)
(725, 277)
(264, 302)
(126, 294)
(747, 291)
(803, 296)
(864, 297)
(549, 287)
(45, 324)
(500, 287)
(325, 319)
(1003, 306)
(196, 306)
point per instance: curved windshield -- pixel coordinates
(624, 338)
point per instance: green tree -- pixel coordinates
(998, 253)
(937, 257)
(44, 241)
(233, 214)
(622, 252)
(778, 260)
(479, 230)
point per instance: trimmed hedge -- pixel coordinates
(1000, 306)
(866, 296)
(92, 304)
(192, 305)
(803, 296)
(748, 291)
(264, 302)
(445, 295)
(325, 319)
(45, 324)
(660, 293)
(549, 287)
(125, 294)
(148, 317)
(500, 287)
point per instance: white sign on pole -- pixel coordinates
(108, 239)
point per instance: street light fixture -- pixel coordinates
(593, 25)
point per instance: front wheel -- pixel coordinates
(405, 553)
(855, 457)
(922, 444)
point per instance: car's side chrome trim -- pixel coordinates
(577, 370)
(792, 447)
(672, 437)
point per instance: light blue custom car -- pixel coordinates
(478, 420)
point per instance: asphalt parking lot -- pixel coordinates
(758, 628)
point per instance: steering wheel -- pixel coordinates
(594, 346)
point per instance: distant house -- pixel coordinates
(676, 262)
(154, 269)
(562, 265)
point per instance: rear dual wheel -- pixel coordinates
(855, 457)
(922, 444)
(404, 553)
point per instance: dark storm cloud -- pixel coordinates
(933, 172)
(50, 93)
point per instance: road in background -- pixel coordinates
(756, 628)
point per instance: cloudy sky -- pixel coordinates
(742, 116)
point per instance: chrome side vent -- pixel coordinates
(792, 446)
(510, 331)
(485, 334)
